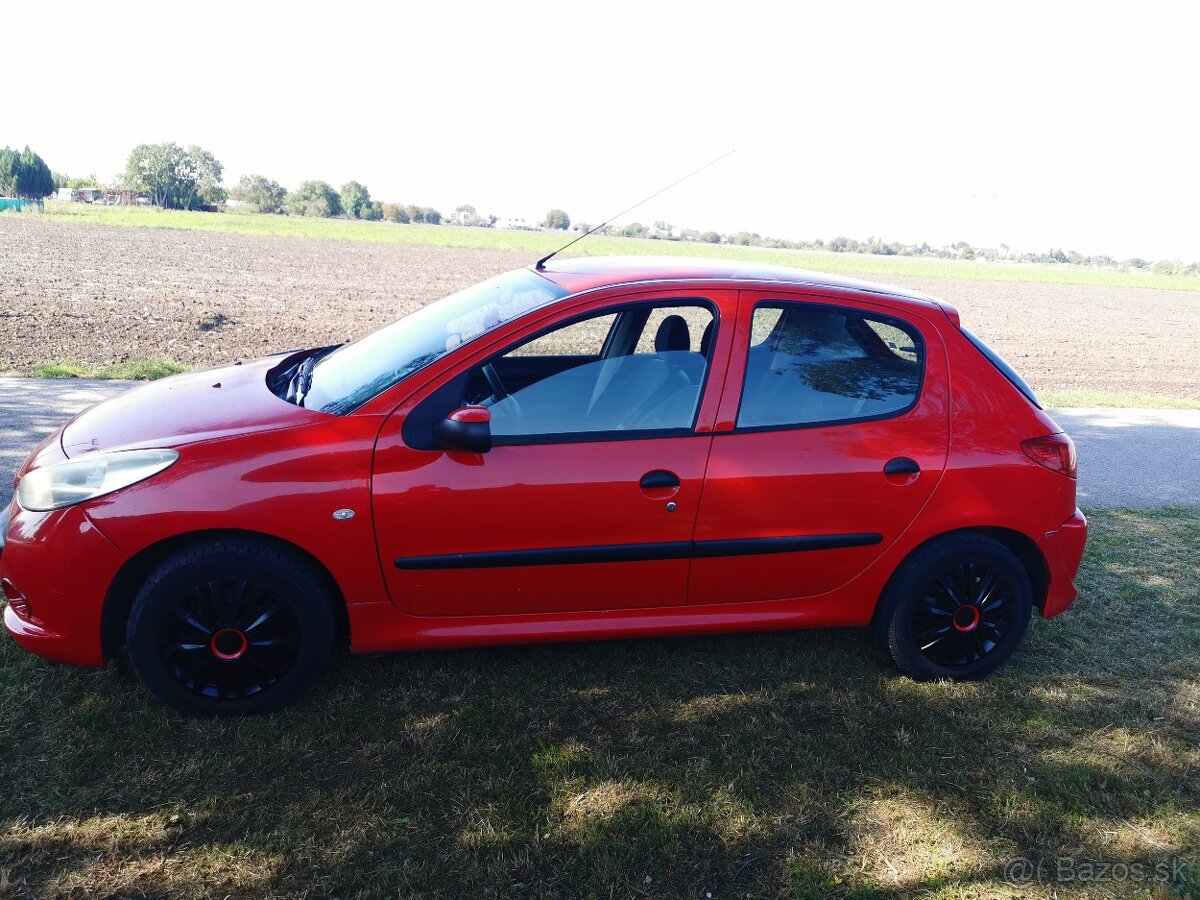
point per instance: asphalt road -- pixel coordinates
(1135, 458)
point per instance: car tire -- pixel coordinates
(231, 627)
(956, 609)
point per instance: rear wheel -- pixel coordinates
(232, 627)
(956, 609)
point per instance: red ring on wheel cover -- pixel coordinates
(243, 644)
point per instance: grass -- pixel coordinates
(782, 765)
(148, 369)
(1090, 398)
(535, 243)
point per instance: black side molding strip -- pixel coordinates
(758, 546)
(563, 556)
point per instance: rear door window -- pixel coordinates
(814, 364)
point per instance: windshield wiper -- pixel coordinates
(301, 381)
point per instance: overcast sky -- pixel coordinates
(1030, 124)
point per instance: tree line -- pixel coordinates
(664, 231)
(175, 177)
(318, 198)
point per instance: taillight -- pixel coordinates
(1055, 452)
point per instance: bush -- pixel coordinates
(394, 212)
(260, 193)
(314, 198)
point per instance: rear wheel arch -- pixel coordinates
(118, 601)
(968, 570)
(1031, 558)
(1021, 545)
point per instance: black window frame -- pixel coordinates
(419, 436)
(1002, 366)
(903, 324)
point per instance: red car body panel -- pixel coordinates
(252, 462)
(579, 494)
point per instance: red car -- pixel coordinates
(597, 449)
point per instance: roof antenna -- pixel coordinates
(541, 263)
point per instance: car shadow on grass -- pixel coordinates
(764, 765)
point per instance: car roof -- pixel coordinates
(585, 273)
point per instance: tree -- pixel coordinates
(557, 218)
(415, 213)
(24, 174)
(205, 172)
(431, 216)
(260, 193)
(372, 211)
(354, 198)
(395, 212)
(175, 178)
(710, 237)
(10, 164)
(314, 198)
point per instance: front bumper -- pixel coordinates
(62, 566)
(1063, 550)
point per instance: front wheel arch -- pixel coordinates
(118, 602)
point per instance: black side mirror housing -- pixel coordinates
(468, 429)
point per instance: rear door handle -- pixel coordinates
(659, 478)
(901, 465)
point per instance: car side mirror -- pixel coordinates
(468, 428)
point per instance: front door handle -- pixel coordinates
(901, 465)
(659, 478)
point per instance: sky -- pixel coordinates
(1036, 125)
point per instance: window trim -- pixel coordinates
(588, 437)
(886, 318)
(1002, 366)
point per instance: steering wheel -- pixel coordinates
(500, 393)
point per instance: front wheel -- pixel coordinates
(232, 627)
(956, 609)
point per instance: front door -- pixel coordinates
(835, 433)
(588, 497)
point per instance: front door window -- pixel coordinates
(623, 374)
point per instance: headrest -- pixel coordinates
(706, 338)
(673, 335)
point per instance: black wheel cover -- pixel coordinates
(963, 614)
(228, 639)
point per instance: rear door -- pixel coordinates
(833, 433)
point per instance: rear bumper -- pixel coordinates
(62, 566)
(1063, 550)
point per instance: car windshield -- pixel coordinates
(348, 377)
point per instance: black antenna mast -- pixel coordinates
(541, 263)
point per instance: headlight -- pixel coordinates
(67, 483)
